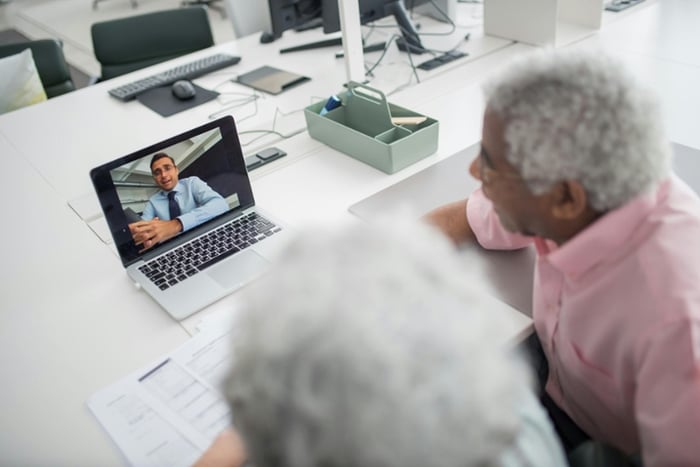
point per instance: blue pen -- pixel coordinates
(332, 103)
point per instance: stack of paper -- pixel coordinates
(168, 413)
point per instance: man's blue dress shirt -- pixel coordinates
(198, 203)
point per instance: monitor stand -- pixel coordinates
(310, 24)
(267, 36)
(336, 41)
(409, 40)
(405, 46)
(314, 45)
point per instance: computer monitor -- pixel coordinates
(373, 10)
(293, 14)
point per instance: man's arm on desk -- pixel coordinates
(150, 233)
(199, 204)
(207, 203)
(452, 220)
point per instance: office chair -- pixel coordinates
(50, 64)
(128, 44)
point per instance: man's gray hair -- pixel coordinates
(580, 115)
(368, 347)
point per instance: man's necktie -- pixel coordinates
(173, 206)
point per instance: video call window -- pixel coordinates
(196, 156)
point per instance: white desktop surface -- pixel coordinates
(70, 320)
(659, 40)
(66, 136)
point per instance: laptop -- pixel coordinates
(226, 240)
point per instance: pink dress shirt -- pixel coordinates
(617, 310)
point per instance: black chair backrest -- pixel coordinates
(128, 44)
(50, 64)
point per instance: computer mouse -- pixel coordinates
(183, 90)
(266, 37)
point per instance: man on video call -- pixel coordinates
(179, 205)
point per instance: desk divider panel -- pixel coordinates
(542, 22)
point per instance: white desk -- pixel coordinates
(658, 41)
(71, 322)
(67, 136)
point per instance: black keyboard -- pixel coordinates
(190, 70)
(207, 250)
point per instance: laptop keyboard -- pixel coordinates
(200, 253)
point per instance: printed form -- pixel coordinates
(167, 414)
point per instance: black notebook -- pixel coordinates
(270, 79)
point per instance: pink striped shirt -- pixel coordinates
(617, 309)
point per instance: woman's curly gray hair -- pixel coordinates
(368, 348)
(580, 115)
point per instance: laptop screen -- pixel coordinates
(204, 163)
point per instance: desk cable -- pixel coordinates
(230, 104)
(247, 98)
(273, 131)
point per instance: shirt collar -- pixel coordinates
(606, 237)
(178, 188)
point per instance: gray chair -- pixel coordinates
(128, 44)
(50, 64)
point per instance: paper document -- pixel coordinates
(168, 413)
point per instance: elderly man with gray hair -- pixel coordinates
(574, 161)
(366, 347)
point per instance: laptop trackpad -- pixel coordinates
(239, 269)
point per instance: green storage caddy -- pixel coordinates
(362, 128)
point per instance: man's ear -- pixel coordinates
(569, 200)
